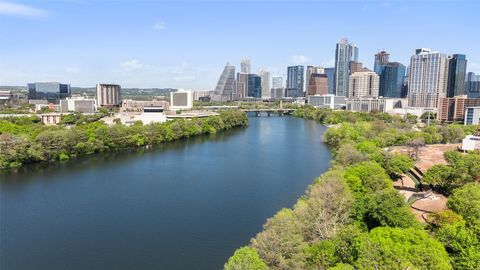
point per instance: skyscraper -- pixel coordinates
(392, 78)
(472, 85)
(254, 88)
(317, 85)
(295, 81)
(457, 71)
(225, 89)
(363, 84)
(277, 82)
(355, 66)
(311, 70)
(242, 84)
(344, 53)
(245, 66)
(427, 78)
(265, 75)
(330, 72)
(381, 59)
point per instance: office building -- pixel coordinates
(311, 70)
(356, 67)
(374, 104)
(344, 53)
(277, 82)
(381, 59)
(295, 81)
(392, 79)
(457, 71)
(317, 85)
(108, 95)
(265, 75)
(181, 100)
(330, 72)
(427, 78)
(77, 104)
(53, 92)
(254, 87)
(278, 93)
(472, 85)
(329, 101)
(245, 66)
(452, 109)
(138, 105)
(197, 94)
(242, 84)
(364, 83)
(472, 116)
(226, 88)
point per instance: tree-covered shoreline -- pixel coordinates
(25, 140)
(352, 217)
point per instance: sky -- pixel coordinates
(186, 44)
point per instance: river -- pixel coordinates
(186, 205)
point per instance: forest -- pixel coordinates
(352, 217)
(26, 140)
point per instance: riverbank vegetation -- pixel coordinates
(353, 218)
(26, 140)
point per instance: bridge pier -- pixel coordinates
(269, 113)
(257, 113)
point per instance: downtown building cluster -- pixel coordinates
(432, 82)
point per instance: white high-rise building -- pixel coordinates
(427, 78)
(364, 84)
(108, 95)
(245, 66)
(265, 75)
(277, 82)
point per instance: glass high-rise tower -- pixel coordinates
(457, 71)
(344, 53)
(392, 79)
(225, 89)
(381, 59)
(295, 81)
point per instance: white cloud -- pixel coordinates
(299, 59)
(21, 10)
(132, 64)
(160, 26)
(385, 4)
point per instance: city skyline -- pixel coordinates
(164, 44)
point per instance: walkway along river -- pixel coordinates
(185, 205)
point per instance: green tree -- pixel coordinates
(466, 202)
(462, 244)
(396, 248)
(388, 208)
(320, 255)
(245, 258)
(281, 243)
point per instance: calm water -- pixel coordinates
(187, 205)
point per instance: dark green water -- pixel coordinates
(187, 205)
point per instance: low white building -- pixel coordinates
(181, 100)
(77, 104)
(470, 143)
(327, 101)
(369, 104)
(472, 116)
(149, 115)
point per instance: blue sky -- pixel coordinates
(185, 44)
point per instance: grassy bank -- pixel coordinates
(26, 140)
